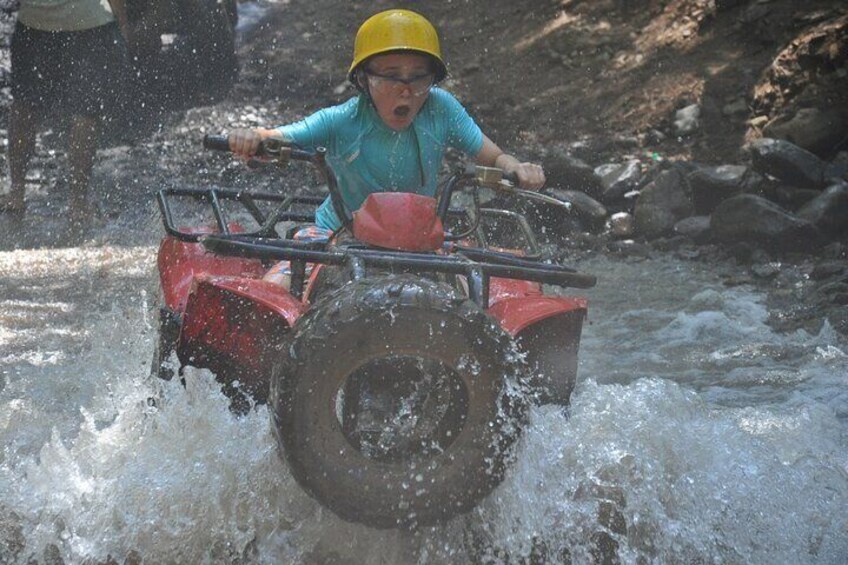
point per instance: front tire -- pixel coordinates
(390, 402)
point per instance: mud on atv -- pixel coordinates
(399, 364)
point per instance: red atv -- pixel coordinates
(399, 364)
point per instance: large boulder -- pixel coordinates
(748, 218)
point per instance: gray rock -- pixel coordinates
(696, 228)
(828, 211)
(747, 218)
(661, 204)
(621, 180)
(621, 225)
(787, 162)
(711, 185)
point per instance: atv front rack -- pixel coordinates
(283, 211)
(249, 201)
(478, 266)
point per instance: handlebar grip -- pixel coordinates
(216, 142)
(511, 177)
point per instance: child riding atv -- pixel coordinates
(398, 373)
(392, 136)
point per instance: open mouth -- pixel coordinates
(402, 111)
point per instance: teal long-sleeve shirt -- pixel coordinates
(367, 156)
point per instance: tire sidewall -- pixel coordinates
(344, 335)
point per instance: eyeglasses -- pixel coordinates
(386, 84)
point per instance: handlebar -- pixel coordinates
(272, 148)
(216, 142)
(278, 150)
(282, 152)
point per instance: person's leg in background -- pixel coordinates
(23, 124)
(82, 146)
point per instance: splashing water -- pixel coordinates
(696, 434)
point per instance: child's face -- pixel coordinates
(399, 84)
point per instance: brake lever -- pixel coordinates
(504, 186)
(494, 178)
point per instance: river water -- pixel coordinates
(696, 435)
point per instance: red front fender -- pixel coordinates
(548, 329)
(180, 261)
(232, 326)
(517, 313)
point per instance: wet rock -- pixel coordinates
(753, 219)
(663, 203)
(621, 225)
(813, 129)
(787, 162)
(828, 211)
(711, 185)
(697, 228)
(620, 180)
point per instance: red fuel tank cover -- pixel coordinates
(399, 220)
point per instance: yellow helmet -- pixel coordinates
(397, 30)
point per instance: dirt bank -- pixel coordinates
(559, 71)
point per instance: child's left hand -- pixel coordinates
(530, 175)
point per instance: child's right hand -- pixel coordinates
(245, 142)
